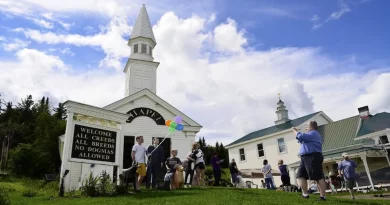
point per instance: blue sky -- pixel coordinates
(359, 32)
(226, 45)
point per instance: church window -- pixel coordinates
(260, 150)
(136, 48)
(150, 50)
(143, 48)
(281, 145)
(242, 154)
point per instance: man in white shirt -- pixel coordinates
(138, 155)
(267, 172)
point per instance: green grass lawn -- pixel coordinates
(200, 196)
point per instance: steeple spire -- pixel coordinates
(281, 112)
(142, 27)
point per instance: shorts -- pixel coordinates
(350, 183)
(142, 169)
(311, 167)
(285, 180)
(200, 166)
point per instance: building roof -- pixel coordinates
(340, 133)
(375, 123)
(274, 129)
(142, 27)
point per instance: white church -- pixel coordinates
(98, 139)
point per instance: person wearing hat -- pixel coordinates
(347, 168)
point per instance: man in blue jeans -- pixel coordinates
(267, 172)
(311, 159)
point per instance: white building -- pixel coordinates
(271, 143)
(140, 112)
(364, 137)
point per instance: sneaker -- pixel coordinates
(189, 186)
(305, 197)
(185, 186)
(322, 199)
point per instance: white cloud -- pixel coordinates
(65, 25)
(48, 15)
(344, 8)
(110, 39)
(227, 38)
(315, 18)
(67, 51)
(37, 73)
(109, 8)
(230, 95)
(337, 14)
(43, 23)
(212, 18)
(16, 44)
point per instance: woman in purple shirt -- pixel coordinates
(216, 169)
(284, 174)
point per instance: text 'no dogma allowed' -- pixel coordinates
(93, 144)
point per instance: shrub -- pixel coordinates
(4, 199)
(106, 187)
(89, 186)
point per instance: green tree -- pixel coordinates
(60, 112)
(30, 132)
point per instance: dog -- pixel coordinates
(240, 182)
(130, 174)
(178, 179)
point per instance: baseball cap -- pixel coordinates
(344, 154)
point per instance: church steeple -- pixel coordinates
(140, 68)
(142, 27)
(281, 112)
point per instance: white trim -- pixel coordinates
(359, 126)
(158, 100)
(350, 146)
(79, 108)
(374, 134)
(277, 133)
(364, 159)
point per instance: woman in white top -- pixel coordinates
(199, 164)
(190, 167)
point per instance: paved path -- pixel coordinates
(368, 196)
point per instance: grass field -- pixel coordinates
(209, 195)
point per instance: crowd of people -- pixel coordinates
(151, 163)
(310, 168)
